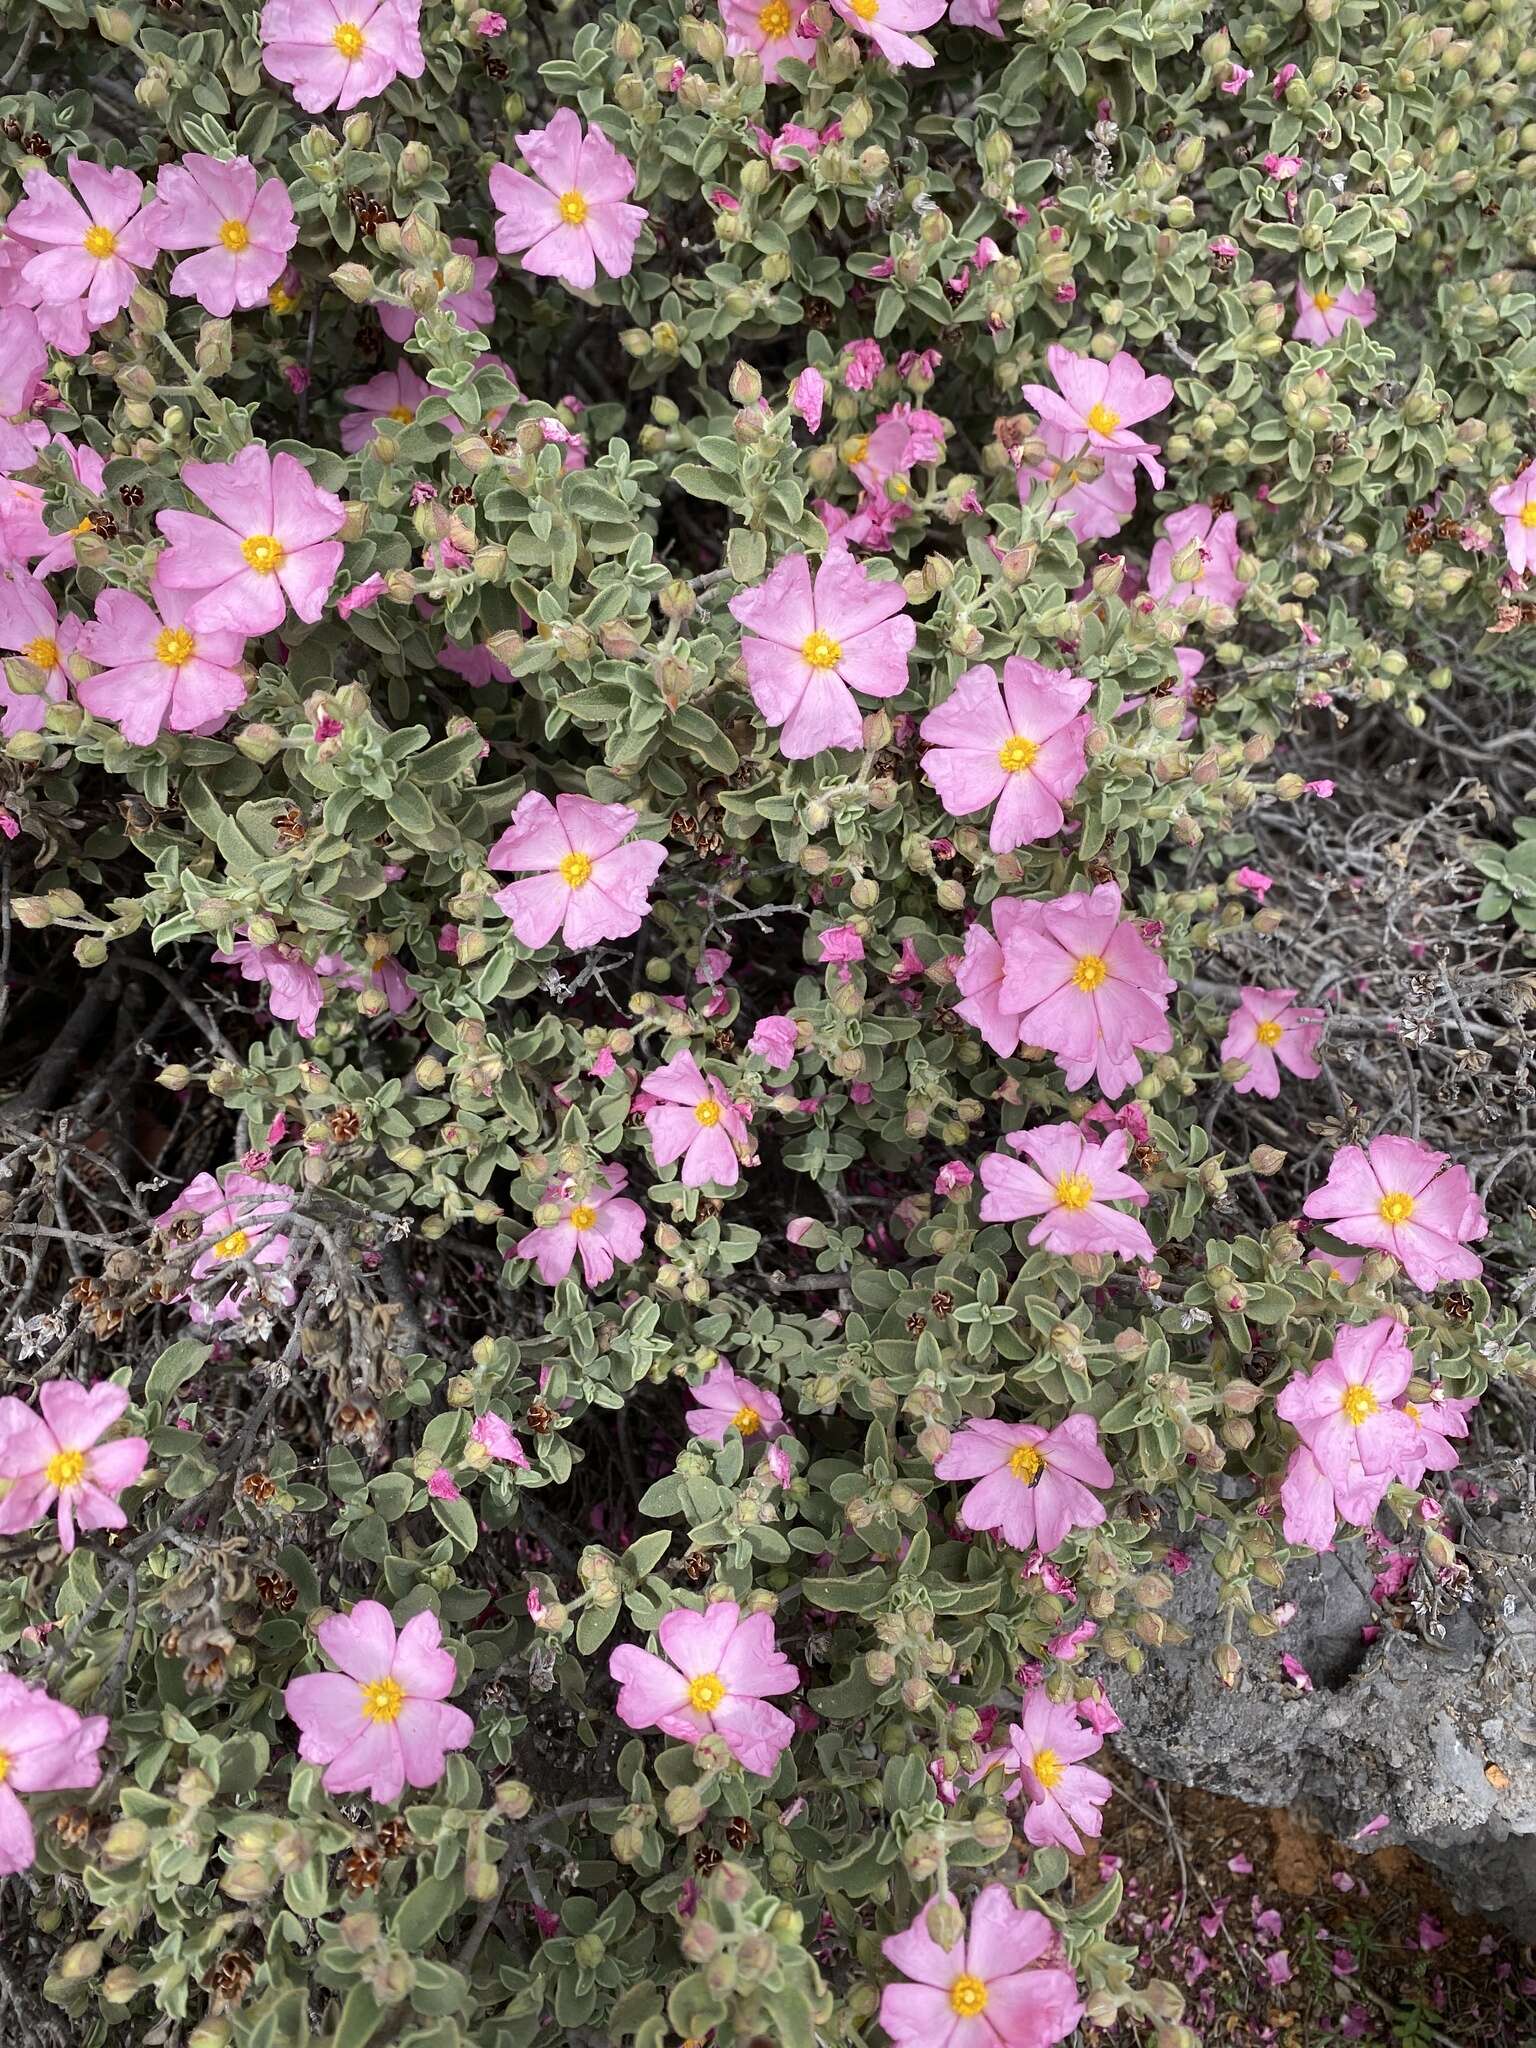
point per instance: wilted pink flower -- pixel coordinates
(694, 1120)
(90, 249)
(603, 1225)
(1399, 1196)
(31, 628)
(714, 1678)
(492, 1433)
(1069, 1184)
(156, 674)
(809, 646)
(572, 213)
(1033, 1482)
(1270, 1030)
(780, 149)
(1019, 747)
(840, 945)
(890, 25)
(387, 400)
(380, 1721)
(443, 1486)
(1098, 403)
(807, 396)
(241, 225)
(473, 309)
(361, 596)
(271, 543)
(1255, 880)
(1515, 504)
(776, 1040)
(979, 976)
(1237, 77)
(982, 1993)
(1043, 1759)
(1320, 316)
(1324, 787)
(1283, 78)
(337, 52)
(295, 990)
(725, 1401)
(1214, 578)
(589, 880)
(1344, 1410)
(56, 1457)
(44, 1747)
(953, 1178)
(770, 30)
(1086, 985)
(1280, 166)
(863, 362)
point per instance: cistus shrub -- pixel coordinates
(665, 628)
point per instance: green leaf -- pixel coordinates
(423, 1912)
(174, 1367)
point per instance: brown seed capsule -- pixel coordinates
(394, 1837)
(916, 1324)
(257, 1487)
(541, 1418)
(361, 1869)
(276, 1589)
(706, 1856)
(345, 1125)
(738, 1832)
(942, 1302)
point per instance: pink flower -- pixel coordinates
(30, 627)
(294, 988)
(1237, 77)
(1254, 879)
(982, 1993)
(1335, 1266)
(1086, 985)
(156, 674)
(1269, 1030)
(863, 362)
(889, 25)
(238, 1223)
(839, 946)
(337, 52)
(379, 1721)
(601, 1224)
(571, 214)
(979, 976)
(387, 400)
(44, 1747)
(477, 665)
(271, 543)
(1516, 505)
(1312, 1502)
(90, 249)
(1324, 787)
(1043, 1759)
(492, 1432)
(1281, 166)
(242, 226)
(980, 14)
(1343, 1410)
(1283, 78)
(1320, 316)
(776, 1040)
(473, 309)
(1098, 403)
(808, 394)
(953, 1178)
(588, 880)
(769, 29)
(780, 149)
(1033, 1482)
(1434, 1422)
(1214, 578)
(1018, 747)
(1095, 507)
(1402, 1197)
(694, 1120)
(1068, 1184)
(809, 646)
(23, 373)
(55, 1457)
(724, 1401)
(714, 1678)
(443, 1486)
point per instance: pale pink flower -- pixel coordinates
(474, 309)
(1095, 507)
(387, 400)
(811, 645)
(45, 1746)
(602, 1225)
(980, 14)
(1434, 1422)
(380, 1721)
(1344, 1410)
(337, 52)
(241, 225)
(863, 362)
(295, 990)
(1515, 503)
(1098, 404)
(492, 1432)
(776, 1040)
(1043, 1759)
(1214, 580)
(271, 543)
(1320, 316)
(1019, 747)
(57, 1457)
(891, 25)
(156, 674)
(953, 1178)
(769, 30)
(23, 373)
(571, 215)
(91, 248)
(840, 945)
(694, 1120)
(1399, 1196)
(32, 629)
(1034, 1483)
(1270, 1030)
(979, 976)
(780, 149)
(724, 1401)
(588, 879)
(714, 1677)
(1069, 1183)
(1237, 77)
(238, 1221)
(983, 1992)
(903, 437)
(807, 395)
(1336, 1266)
(443, 1486)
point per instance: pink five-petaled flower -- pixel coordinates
(1320, 316)
(380, 1721)
(241, 225)
(90, 249)
(694, 1120)
(714, 1678)
(983, 1992)
(810, 645)
(1399, 1196)
(1196, 561)
(270, 543)
(572, 214)
(44, 1747)
(600, 1224)
(156, 674)
(1086, 985)
(31, 627)
(337, 52)
(295, 990)
(57, 1456)
(890, 26)
(1069, 1184)
(589, 880)
(387, 400)
(1344, 1410)
(1515, 503)
(1044, 1760)
(1018, 746)
(1095, 506)
(1099, 403)
(1033, 1482)
(769, 30)
(979, 976)
(726, 1402)
(1270, 1030)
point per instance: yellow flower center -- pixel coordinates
(705, 1692)
(1269, 1032)
(1322, 301)
(1528, 514)
(856, 449)
(235, 236)
(1410, 1409)
(281, 301)
(821, 650)
(747, 1421)
(174, 646)
(576, 870)
(1359, 1405)
(235, 1246)
(1074, 1191)
(774, 19)
(1102, 420)
(1017, 754)
(1048, 1768)
(573, 209)
(1395, 1208)
(1091, 972)
(100, 242)
(967, 1995)
(264, 553)
(382, 1699)
(1026, 1464)
(582, 1217)
(401, 414)
(349, 39)
(707, 1113)
(65, 1469)
(41, 653)
(5, 1767)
